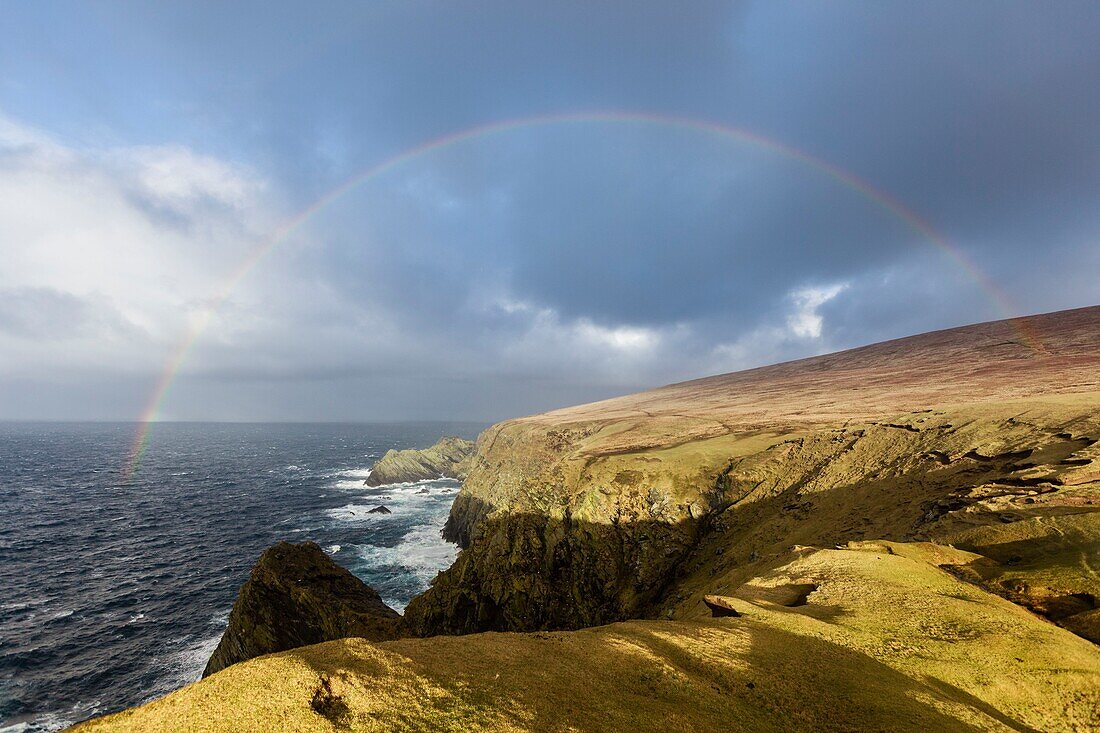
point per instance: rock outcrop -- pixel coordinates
(296, 595)
(899, 537)
(449, 457)
(602, 512)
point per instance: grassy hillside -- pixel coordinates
(908, 530)
(886, 640)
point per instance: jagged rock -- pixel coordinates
(296, 595)
(449, 457)
(380, 510)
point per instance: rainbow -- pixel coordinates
(883, 200)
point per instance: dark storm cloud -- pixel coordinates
(656, 252)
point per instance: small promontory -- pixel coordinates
(295, 596)
(448, 458)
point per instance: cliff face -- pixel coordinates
(449, 457)
(602, 512)
(296, 596)
(555, 539)
(908, 535)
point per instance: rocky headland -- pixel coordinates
(903, 536)
(448, 458)
(296, 596)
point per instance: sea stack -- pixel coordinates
(296, 595)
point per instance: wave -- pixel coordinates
(364, 513)
(419, 556)
(359, 473)
(349, 485)
(440, 482)
(55, 720)
(403, 500)
(186, 665)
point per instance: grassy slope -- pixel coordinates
(887, 641)
(964, 437)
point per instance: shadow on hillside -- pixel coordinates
(531, 572)
(645, 676)
(523, 571)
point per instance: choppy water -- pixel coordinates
(112, 593)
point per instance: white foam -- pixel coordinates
(405, 485)
(332, 549)
(186, 666)
(359, 473)
(55, 720)
(349, 485)
(26, 603)
(421, 552)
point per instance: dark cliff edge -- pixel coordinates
(296, 596)
(523, 571)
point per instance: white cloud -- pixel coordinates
(107, 254)
(805, 322)
(620, 338)
(538, 340)
(179, 177)
(546, 323)
(769, 343)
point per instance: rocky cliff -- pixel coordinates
(603, 512)
(294, 596)
(901, 537)
(449, 458)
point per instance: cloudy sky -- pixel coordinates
(611, 239)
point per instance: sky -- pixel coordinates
(477, 210)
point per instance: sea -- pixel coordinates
(115, 588)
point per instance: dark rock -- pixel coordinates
(295, 596)
(383, 509)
